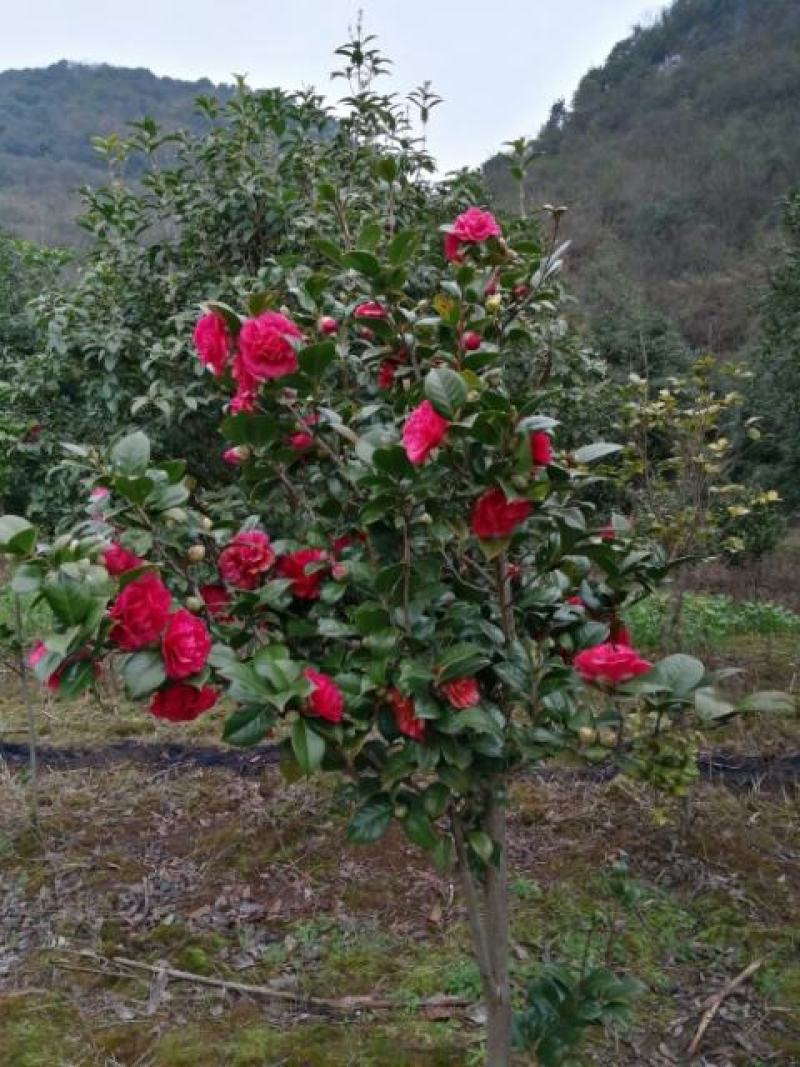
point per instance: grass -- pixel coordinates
(709, 620)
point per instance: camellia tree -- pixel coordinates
(407, 583)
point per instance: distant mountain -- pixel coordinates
(48, 118)
(674, 158)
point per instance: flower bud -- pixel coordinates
(194, 603)
(521, 291)
(339, 572)
(587, 735)
(196, 554)
(471, 341)
(494, 303)
(328, 325)
(400, 811)
(206, 523)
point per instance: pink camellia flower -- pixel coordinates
(326, 700)
(179, 702)
(246, 558)
(494, 516)
(185, 645)
(212, 339)
(423, 431)
(541, 448)
(244, 399)
(140, 613)
(99, 494)
(265, 347)
(232, 456)
(217, 600)
(305, 584)
(35, 656)
(328, 325)
(610, 664)
(473, 226)
(118, 560)
(462, 692)
(471, 341)
(386, 373)
(370, 309)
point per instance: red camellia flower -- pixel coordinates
(473, 226)
(246, 559)
(217, 600)
(326, 700)
(182, 703)
(495, 516)
(302, 440)
(328, 325)
(471, 341)
(462, 692)
(386, 373)
(348, 540)
(608, 533)
(185, 645)
(576, 601)
(405, 715)
(370, 309)
(305, 586)
(265, 348)
(452, 248)
(140, 613)
(423, 431)
(119, 560)
(610, 664)
(212, 339)
(541, 448)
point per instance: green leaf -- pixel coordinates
(247, 726)
(143, 672)
(435, 799)
(446, 390)
(681, 674)
(371, 821)
(419, 828)
(364, 262)
(136, 490)
(482, 845)
(315, 359)
(599, 450)
(328, 249)
(386, 168)
(769, 701)
(27, 578)
(75, 678)
(709, 706)
(462, 661)
(17, 535)
(131, 455)
(532, 423)
(307, 745)
(69, 600)
(403, 246)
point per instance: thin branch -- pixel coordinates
(341, 1004)
(29, 713)
(715, 1003)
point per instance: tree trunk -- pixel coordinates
(487, 909)
(498, 999)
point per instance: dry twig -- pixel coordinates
(715, 1002)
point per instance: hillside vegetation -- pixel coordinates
(674, 158)
(48, 119)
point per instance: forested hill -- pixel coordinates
(674, 158)
(48, 118)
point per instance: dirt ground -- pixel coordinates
(225, 871)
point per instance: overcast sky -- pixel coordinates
(499, 64)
